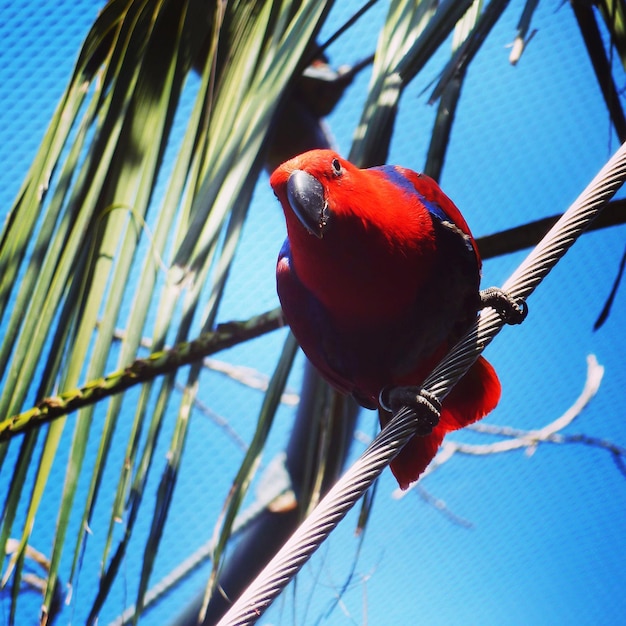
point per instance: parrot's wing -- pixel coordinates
(313, 327)
(441, 208)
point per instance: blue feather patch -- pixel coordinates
(400, 180)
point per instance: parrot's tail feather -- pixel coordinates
(414, 458)
(473, 397)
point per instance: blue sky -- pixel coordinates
(543, 535)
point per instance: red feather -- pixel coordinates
(378, 278)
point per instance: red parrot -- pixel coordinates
(378, 277)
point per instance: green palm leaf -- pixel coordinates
(89, 246)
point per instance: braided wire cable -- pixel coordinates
(348, 489)
(533, 269)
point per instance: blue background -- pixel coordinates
(544, 535)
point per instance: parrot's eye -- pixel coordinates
(337, 169)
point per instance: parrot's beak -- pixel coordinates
(306, 198)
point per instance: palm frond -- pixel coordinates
(90, 246)
(85, 239)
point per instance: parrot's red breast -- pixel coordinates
(378, 277)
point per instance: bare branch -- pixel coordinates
(516, 439)
(140, 371)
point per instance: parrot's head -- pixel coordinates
(307, 185)
(352, 233)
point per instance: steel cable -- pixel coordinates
(334, 506)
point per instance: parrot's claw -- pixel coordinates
(425, 404)
(512, 310)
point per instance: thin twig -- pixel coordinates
(517, 439)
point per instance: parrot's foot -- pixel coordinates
(512, 310)
(426, 406)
